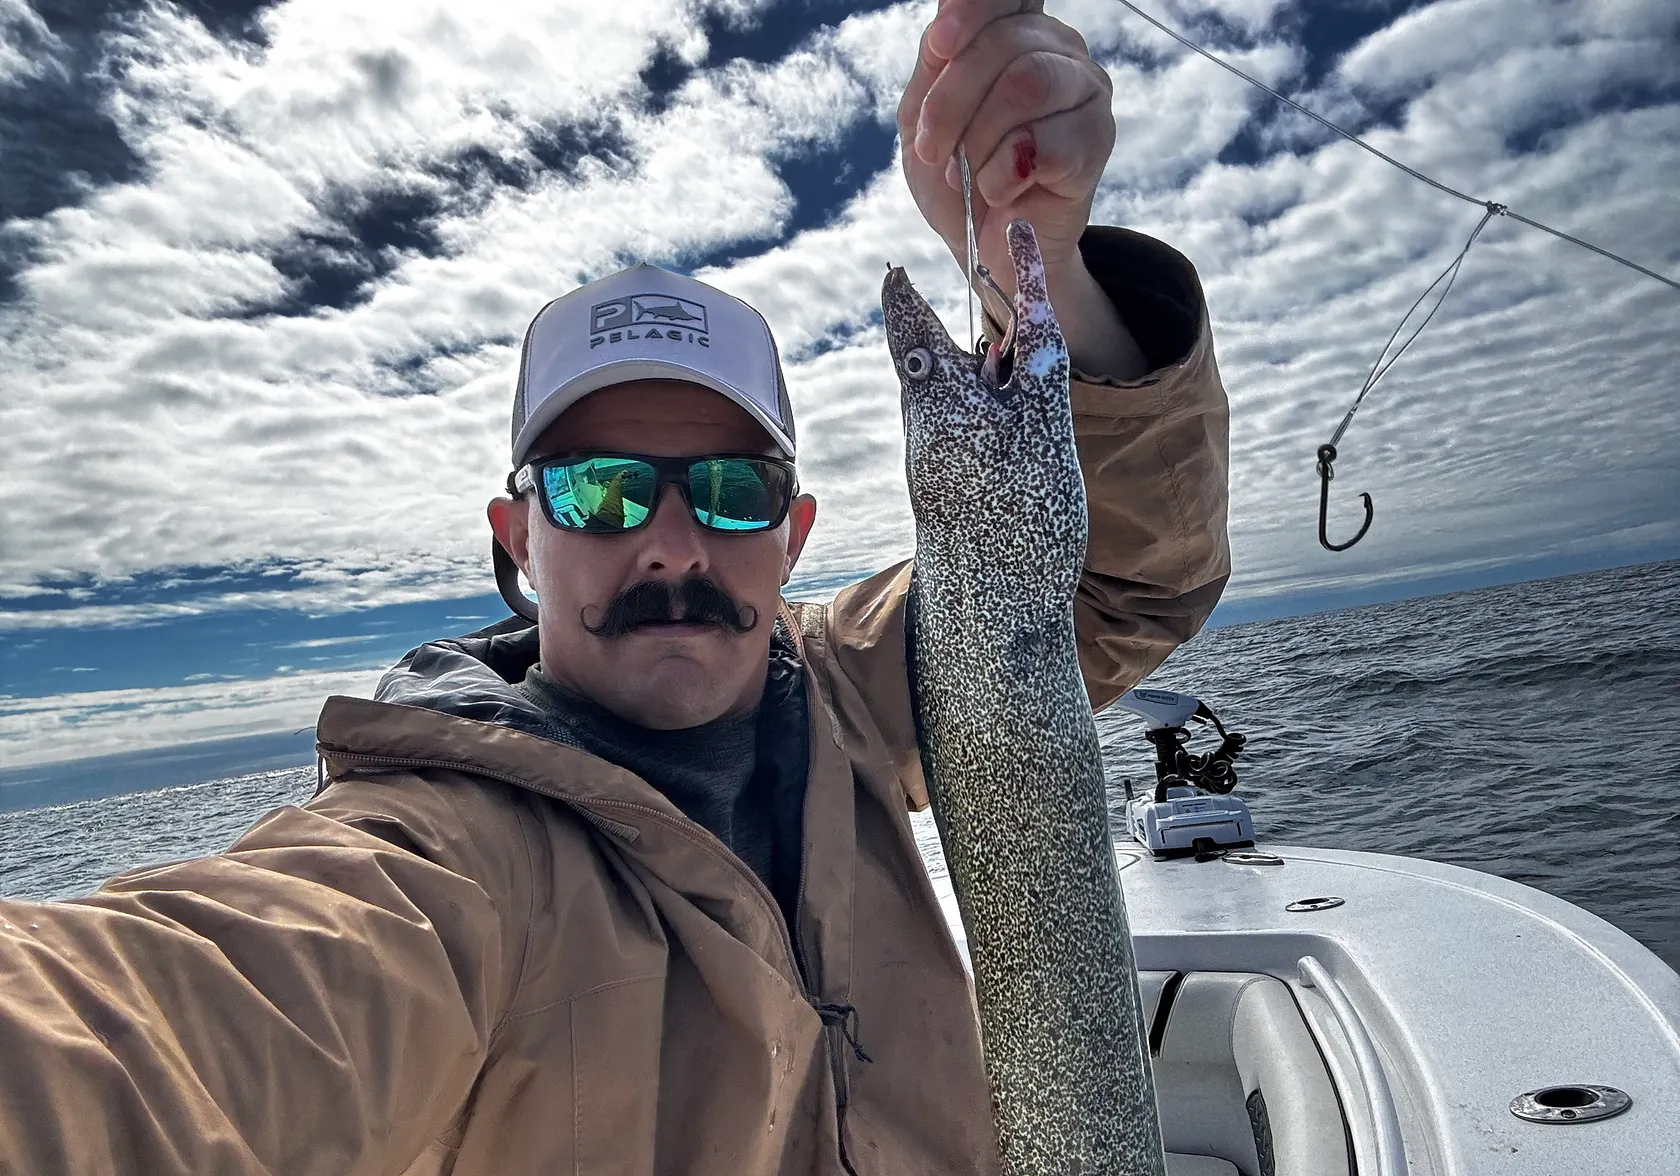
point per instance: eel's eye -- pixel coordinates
(918, 364)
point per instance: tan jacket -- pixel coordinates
(483, 952)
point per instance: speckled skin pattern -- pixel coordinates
(1007, 739)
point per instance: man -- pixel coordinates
(633, 889)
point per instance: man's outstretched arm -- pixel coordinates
(316, 1000)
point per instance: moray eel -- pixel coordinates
(1007, 740)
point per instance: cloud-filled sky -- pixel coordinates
(264, 269)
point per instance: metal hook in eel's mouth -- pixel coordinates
(999, 361)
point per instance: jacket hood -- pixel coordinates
(476, 677)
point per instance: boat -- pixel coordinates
(1325, 1012)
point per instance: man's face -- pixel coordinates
(661, 675)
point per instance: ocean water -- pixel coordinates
(1531, 731)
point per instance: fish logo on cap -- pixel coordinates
(640, 316)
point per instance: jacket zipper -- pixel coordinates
(795, 933)
(836, 1060)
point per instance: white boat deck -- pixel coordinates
(1435, 995)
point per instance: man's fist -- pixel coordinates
(1019, 90)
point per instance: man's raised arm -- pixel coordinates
(1019, 92)
(1154, 451)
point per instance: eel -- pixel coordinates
(1008, 744)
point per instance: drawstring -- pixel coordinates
(845, 1018)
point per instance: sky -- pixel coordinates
(264, 269)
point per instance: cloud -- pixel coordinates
(138, 319)
(330, 642)
(283, 340)
(101, 722)
(29, 50)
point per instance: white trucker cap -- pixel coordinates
(640, 324)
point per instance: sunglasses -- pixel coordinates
(609, 493)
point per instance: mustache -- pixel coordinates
(696, 600)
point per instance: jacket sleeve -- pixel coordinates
(1154, 453)
(1155, 456)
(316, 1000)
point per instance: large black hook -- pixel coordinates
(1326, 471)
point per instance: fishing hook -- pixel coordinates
(1385, 361)
(1327, 471)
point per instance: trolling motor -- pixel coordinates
(1189, 809)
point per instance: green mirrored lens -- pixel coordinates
(737, 493)
(600, 493)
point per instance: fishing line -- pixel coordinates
(1386, 361)
(968, 221)
(980, 278)
(1327, 452)
(1411, 171)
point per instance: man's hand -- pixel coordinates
(1020, 91)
